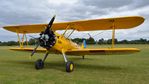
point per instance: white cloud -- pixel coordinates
(28, 12)
(59, 2)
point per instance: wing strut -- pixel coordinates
(70, 33)
(68, 26)
(26, 39)
(113, 33)
(21, 41)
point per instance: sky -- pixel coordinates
(14, 12)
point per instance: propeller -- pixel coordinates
(95, 34)
(45, 37)
(89, 35)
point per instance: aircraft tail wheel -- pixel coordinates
(39, 64)
(69, 66)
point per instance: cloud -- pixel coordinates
(40, 11)
(106, 3)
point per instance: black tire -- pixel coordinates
(69, 66)
(39, 64)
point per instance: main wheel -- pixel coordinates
(69, 66)
(39, 64)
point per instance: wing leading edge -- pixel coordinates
(102, 51)
(86, 51)
(51, 51)
(84, 25)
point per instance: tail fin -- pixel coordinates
(84, 44)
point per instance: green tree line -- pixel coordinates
(80, 40)
(109, 41)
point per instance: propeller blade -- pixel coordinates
(35, 49)
(50, 24)
(89, 35)
(98, 33)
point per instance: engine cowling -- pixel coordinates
(47, 39)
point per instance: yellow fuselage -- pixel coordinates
(63, 43)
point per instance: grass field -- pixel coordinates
(17, 68)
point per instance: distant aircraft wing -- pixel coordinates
(102, 51)
(84, 25)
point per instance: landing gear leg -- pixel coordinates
(39, 64)
(45, 57)
(83, 57)
(69, 64)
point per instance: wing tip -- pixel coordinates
(140, 20)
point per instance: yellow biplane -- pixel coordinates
(52, 42)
